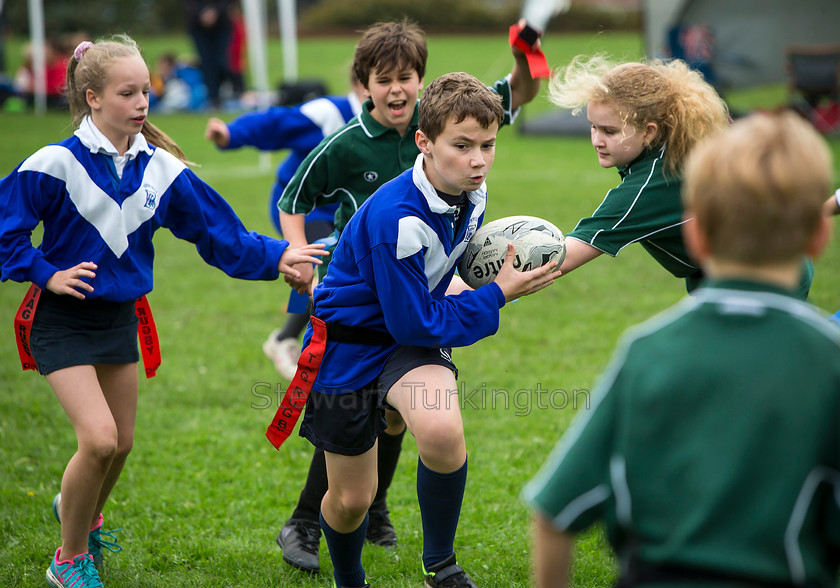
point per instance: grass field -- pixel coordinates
(204, 494)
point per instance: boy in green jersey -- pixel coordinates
(711, 448)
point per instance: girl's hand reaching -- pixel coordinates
(295, 255)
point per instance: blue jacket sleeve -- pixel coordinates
(278, 127)
(199, 214)
(414, 317)
(21, 203)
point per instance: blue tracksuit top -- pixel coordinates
(298, 128)
(90, 213)
(390, 272)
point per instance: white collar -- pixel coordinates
(437, 204)
(92, 138)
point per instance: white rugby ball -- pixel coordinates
(536, 242)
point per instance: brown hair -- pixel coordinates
(90, 72)
(757, 189)
(456, 96)
(682, 104)
(390, 45)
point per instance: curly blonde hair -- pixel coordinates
(683, 105)
(90, 72)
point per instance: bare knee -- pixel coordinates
(124, 446)
(442, 446)
(100, 445)
(352, 503)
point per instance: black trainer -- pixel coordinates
(380, 531)
(447, 574)
(300, 541)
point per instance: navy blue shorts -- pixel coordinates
(67, 331)
(349, 424)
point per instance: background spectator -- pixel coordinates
(210, 27)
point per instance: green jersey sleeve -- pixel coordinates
(646, 208)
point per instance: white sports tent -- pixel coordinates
(750, 35)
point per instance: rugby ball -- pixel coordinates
(536, 242)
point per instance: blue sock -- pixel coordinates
(439, 496)
(346, 553)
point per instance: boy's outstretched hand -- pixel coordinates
(295, 255)
(217, 131)
(515, 284)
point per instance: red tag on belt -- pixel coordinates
(23, 326)
(146, 331)
(537, 63)
(148, 337)
(295, 398)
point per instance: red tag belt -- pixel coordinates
(146, 331)
(298, 391)
(23, 325)
(148, 337)
(537, 63)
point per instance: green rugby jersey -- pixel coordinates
(646, 208)
(713, 441)
(349, 165)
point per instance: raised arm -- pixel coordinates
(523, 86)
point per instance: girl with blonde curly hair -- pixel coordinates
(645, 118)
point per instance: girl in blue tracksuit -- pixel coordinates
(101, 194)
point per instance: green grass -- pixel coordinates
(204, 494)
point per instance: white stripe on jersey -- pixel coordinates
(793, 552)
(323, 113)
(114, 223)
(413, 235)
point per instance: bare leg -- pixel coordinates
(433, 416)
(77, 389)
(119, 385)
(352, 485)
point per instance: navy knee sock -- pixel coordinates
(346, 553)
(388, 456)
(309, 501)
(439, 496)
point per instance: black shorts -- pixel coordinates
(349, 424)
(67, 331)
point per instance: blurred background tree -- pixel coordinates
(150, 17)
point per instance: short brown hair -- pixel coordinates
(390, 45)
(458, 96)
(757, 189)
